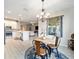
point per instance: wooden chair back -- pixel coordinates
(38, 49)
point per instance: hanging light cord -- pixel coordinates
(43, 9)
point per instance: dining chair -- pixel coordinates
(55, 46)
(40, 50)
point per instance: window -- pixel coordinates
(55, 26)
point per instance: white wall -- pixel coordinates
(68, 24)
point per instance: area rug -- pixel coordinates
(29, 54)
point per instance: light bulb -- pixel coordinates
(37, 16)
(47, 14)
(40, 17)
(42, 13)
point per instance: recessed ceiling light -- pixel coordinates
(9, 12)
(19, 15)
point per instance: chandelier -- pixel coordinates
(43, 14)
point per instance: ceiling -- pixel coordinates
(28, 9)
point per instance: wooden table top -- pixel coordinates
(45, 40)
